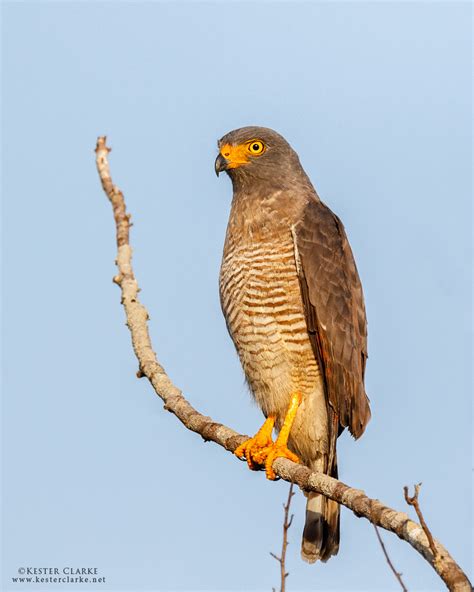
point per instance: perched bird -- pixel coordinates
(293, 303)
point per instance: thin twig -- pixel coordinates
(174, 401)
(286, 525)
(397, 574)
(413, 501)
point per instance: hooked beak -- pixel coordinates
(220, 164)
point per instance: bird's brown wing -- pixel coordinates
(335, 317)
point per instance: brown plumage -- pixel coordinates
(294, 307)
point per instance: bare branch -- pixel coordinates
(286, 525)
(397, 574)
(413, 501)
(354, 499)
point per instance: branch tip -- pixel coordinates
(413, 501)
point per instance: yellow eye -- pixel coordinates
(256, 147)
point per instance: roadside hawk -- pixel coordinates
(293, 304)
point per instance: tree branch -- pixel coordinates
(413, 501)
(286, 525)
(354, 499)
(397, 574)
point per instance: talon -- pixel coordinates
(260, 451)
(255, 450)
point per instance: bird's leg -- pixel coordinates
(280, 448)
(255, 450)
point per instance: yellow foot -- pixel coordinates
(261, 451)
(256, 449)
(280, 448)
(277, 451)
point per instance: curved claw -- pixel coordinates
(253, 452)
(261, 451)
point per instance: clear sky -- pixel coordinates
(376, 100)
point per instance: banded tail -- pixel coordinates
(321, 530)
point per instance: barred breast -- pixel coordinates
(263, 308)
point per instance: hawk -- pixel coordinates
(293, 303)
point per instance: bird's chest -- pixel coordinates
(261, 301)
(259, 287)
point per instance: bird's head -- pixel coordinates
(252, 154)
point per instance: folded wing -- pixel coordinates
(335, 317)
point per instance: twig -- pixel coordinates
(354, 499)
(413, 501)
(397, 574)
(286, 525)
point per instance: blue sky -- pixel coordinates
(375, 98)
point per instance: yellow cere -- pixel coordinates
(239, 155)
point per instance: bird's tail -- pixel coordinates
(321, 530)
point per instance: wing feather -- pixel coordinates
(335, 316)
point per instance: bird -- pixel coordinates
(293, 304)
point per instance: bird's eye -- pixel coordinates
(255, 147)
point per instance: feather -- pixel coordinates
(335, 317)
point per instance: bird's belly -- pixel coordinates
(262, 304)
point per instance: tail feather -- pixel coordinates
(321, 531)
